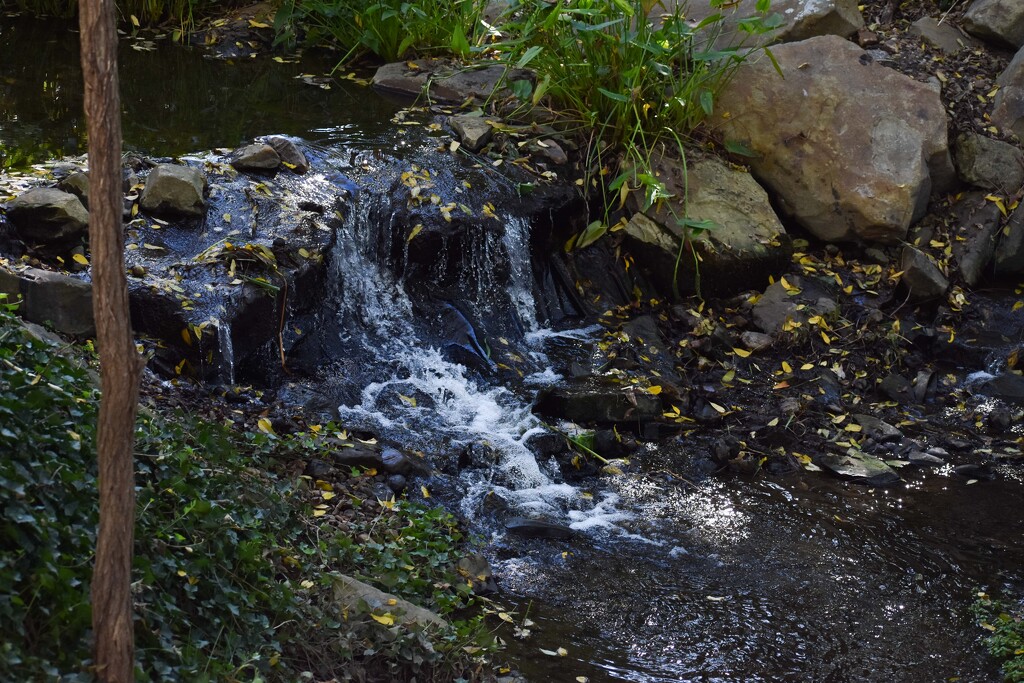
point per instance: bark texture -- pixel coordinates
(120, 364)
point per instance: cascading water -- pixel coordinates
(414, 394)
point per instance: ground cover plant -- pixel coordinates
(234, 558)
(1005, 623)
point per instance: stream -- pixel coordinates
(674, 573)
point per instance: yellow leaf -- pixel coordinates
(408, 400)
(319, 513)
(388, 504)
(327, 495)
(227, 217)
(504, 616)
(807, 366)
(80, 258)
(185, 336)
(728, 377)
(385, 619)
(774, 421)
(415, 231)
(258, 24)
(717, 407)
(135, 20)
(424, 491)
(264, 426)
(656, 389)
(742, 353)
(323, 485)
(825, 337)
(786, 367)
(853, 427)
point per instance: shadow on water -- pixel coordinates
(174, 100)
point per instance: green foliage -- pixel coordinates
(232, 570)
(386, 29)
(1005, 624)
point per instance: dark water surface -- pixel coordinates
(174, 100)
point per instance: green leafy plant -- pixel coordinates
(1005, 624)
(232, 571)
(386, 29)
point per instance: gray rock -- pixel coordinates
(474, 131)
(860, 468)
(174, 190)
(54, 299)
(802, 299)
(349, 455)
(943, 36)
(1008, 104)
(443, 81)
(745, 242)
(290, 154)
(550, 150)
(256, 157)
(921, 276)
(48, 216)
(538, 528)
(756, 341)
(77, 184)
(897, 388)
(590, 401)
(397, 462)
(354, 595)
(919, 459)
(801, 19)
(1008, 258)
(978, 221)
(989, 163)
(397, 483)
(851, 149)
(877, 429)
(999, 21)
(1006, 386)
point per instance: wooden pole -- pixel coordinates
(120, 363)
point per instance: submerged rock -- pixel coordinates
(851, 149)
(48, 216)
(860, 468)
(290, 154)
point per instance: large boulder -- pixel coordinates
(59, 301)
(174, 190)
(998, 21)
(800, 19)
(744, 241)
(1008, 105)
(48, 216)
(851, 149)
(988, 163)
(977, 228)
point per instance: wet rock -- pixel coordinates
(989, 164)
(997, 21)
(548, 149)
(800, 19)
(447, 81)
(860, 468)
(792, 299)
(537, 528)
(477, 570)
(397, 462)
(596, 401)
(173, 190)
(1007, 386)
(897, 388)
(58, 301)
(290, 154)
(747, 241)
(1008, 257)
(1008, 104)
(982, 471)
(347, 456)
(256, 157)
(919, 459)
(837, 103)
(397, 483)
(474, 131)
(756, 341)
(610, 444)
(48, 216)
(877, 429)
(77, 184)
(921, 277)
(978, 221)
(355, 596)
(943, 36)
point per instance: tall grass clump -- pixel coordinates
(385, 29)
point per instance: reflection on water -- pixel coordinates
(174, 100)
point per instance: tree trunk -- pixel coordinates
(120, 364)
